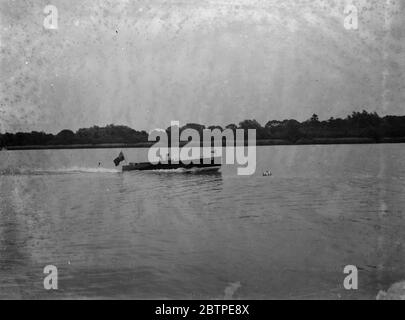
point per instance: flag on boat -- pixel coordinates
(120, 158)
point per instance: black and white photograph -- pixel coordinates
(223, 151)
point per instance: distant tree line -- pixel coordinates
(94, 135)
(357, 125)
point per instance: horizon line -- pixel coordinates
(206, 126)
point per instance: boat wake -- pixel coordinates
(83, 170)
(70, 170)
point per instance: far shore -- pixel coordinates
(266, 142)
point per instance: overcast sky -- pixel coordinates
(145, 63)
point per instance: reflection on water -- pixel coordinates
(178, 235)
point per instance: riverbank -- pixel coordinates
(267, 142)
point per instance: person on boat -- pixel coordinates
(267, 173)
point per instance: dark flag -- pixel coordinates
(120, 158)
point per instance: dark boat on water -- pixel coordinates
(175, 165)
(212, 164)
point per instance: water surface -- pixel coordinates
(176, 235)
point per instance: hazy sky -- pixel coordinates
(145, 63)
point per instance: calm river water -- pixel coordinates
(177, 235)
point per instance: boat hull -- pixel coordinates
(212, 165)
